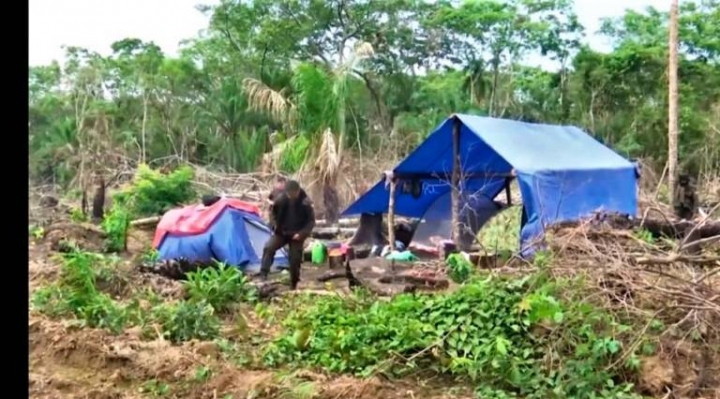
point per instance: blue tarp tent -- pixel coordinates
(229, 231)
(563, 173)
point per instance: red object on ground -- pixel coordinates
(196, 219)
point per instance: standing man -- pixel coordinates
(292, 219)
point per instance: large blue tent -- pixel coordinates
(563, 173)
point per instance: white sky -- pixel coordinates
(95, 24)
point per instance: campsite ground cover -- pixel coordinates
(99, 328)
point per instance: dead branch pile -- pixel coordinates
(651, 281)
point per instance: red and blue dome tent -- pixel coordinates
(564, 174)
(229, 231)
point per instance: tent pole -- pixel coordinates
(391, 214)
(456, 183)
(508, 195)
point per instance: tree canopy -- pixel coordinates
(377, 74)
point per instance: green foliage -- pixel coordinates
(36, 232)
(77, 295)
(515, 338)
(195, 107)
(219, 286)
(293, 154)
(115, 225)
(77, 215)
(153, 193)
(500, 234)
(459, 268)
(185, 320)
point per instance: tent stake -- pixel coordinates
(391, 214)
(456, 184)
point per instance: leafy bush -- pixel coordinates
(219, 286)
(513, 337)
(115, 225)
(153, 193)
(459, 268)
(185, 320)
(76, 294)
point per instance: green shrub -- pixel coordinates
(116, 224)
(186, 320)
(512, 337)
(219, 286)
(459, 268)
(76, 294)
(153, 193)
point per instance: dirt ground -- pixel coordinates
(67, 361)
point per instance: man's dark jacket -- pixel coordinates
(292, 217)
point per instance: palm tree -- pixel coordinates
(317, 108)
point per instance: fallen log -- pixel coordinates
(673, 229)
(329, 233)
(79, 228)
(146, 222)
(677, 258)
(350, 222)
(417, 281)
(333, 275)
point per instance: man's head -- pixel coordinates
(292, 189)
(280, 182)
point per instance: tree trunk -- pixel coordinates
(673, 100)
(144, 124)
(98, 208)
(331, 201)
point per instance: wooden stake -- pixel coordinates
(391, 214)
(455, 196)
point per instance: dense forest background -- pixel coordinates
(371, 79)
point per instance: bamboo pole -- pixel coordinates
(455, 196)
(391, 214)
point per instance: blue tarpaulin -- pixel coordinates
(564, 174)
(235, 237)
